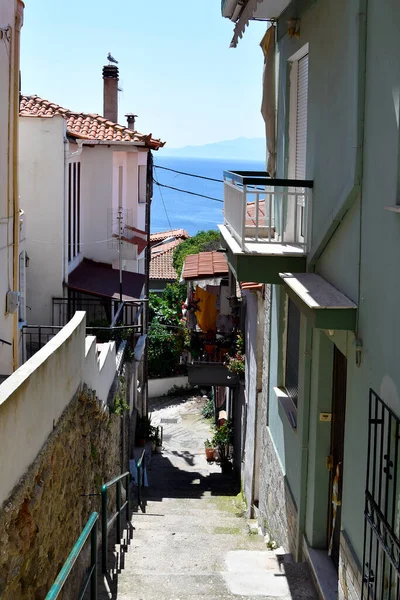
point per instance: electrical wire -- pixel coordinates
(190, 174)
(165, 208)
(186, 191)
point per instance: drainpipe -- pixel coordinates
(16, 45)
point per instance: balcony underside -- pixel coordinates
(262, 262)
(211, 374)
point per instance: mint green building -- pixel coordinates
(321, 229)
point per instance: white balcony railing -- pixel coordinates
(261, 210)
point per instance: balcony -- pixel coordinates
(210, 369)
(207, 359)
(267, 225)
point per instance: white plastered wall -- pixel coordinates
(41, 175)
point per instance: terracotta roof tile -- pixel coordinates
(86, 126)
(252, 286)
(162, 235)
(161, 266)
(205, 264)
(251, 213)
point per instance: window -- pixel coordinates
(292, 351)
(298, 128)
(142, 172)
(74, 210)
(22, 288)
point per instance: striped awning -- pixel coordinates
(265, 10)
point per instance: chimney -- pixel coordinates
(110, 98)
(131, 120)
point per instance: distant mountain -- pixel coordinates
(240, 148)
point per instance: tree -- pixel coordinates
(203, 241)
(166, 333)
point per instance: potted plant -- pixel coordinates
(153, 433)
(222, 440)
(209, 448)
(236, 362)
(143, 428)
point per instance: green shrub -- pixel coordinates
(203, 241)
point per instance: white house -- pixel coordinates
(86, 182)
(12, 223)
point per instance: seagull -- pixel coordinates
(111, 59)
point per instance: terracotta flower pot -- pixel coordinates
(210, 454)
(209, 348)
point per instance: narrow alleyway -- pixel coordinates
(193, 541)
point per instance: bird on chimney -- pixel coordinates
(111, 59)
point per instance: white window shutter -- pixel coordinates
(301, 118)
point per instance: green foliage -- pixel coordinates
(223, 435)
(236, 362)
(167, 336)
(223, 439)
(120, 405)
(175, 294)
(203, 241)
(164, 351)
(208, 409)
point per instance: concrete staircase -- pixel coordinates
(193, 541)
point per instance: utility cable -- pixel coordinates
(165, 208)
(187, 191)
(190, 174)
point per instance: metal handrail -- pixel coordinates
(105, 522)
(117, 315)
(89, 529)
(140, 475)
(263, 178)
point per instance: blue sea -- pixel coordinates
(184, 210)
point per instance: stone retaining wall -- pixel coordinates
(350, 575)
(46, 511)
(277, 512)
(277, 509)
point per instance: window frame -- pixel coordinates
(293, 63)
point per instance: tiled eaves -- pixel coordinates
(86, 126)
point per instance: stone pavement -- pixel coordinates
(193, 542)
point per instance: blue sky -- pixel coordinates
(176, 68)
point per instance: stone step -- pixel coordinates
(193, 543)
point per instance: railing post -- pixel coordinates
(128, 513)
(244, 212)
(93, 552)
(104, 545)
(118, 511)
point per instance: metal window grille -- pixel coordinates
(381, 556)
